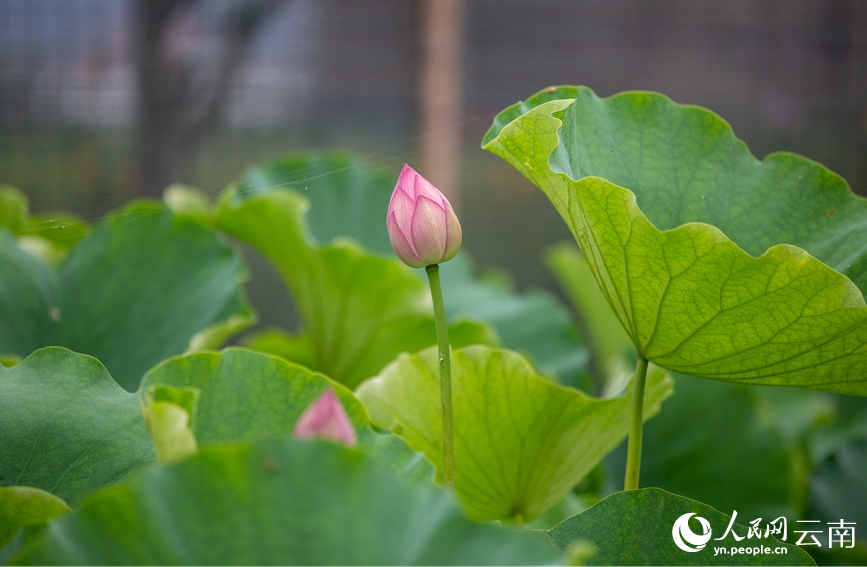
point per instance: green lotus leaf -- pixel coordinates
(709, 429)
(245, 395)
(685, 164)
(68, 428)
(521, 442)
(358, 310)
(239, 395)
(636, 528)
(278, 502)
(690, 299)
(22, 506)
(136, 290)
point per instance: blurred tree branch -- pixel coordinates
(179, 102)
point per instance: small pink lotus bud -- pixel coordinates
(422, 226)
(326, 419)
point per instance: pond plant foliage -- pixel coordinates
(131, 436)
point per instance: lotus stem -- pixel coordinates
(633, 452)
(445, 364)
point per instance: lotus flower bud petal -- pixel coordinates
(401, 244)
(422, 225)
(453, 229)
(326, 419)
(429, 231)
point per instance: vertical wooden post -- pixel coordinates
(441, 96)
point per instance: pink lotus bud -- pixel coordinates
(422, 226)
(326, 419)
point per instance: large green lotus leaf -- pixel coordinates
(22, 506)
(536, 324)
(358, 310)
(347, 196)
(280, 502)
(138, 289)
(142, 285)
(521, 442)
(697, 446)
(794, 412)
(246, 395)
(685, 164)
(636, 528)
(68, 428)
(691, 300)
(238, 395)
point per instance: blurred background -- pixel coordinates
(105, 100)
